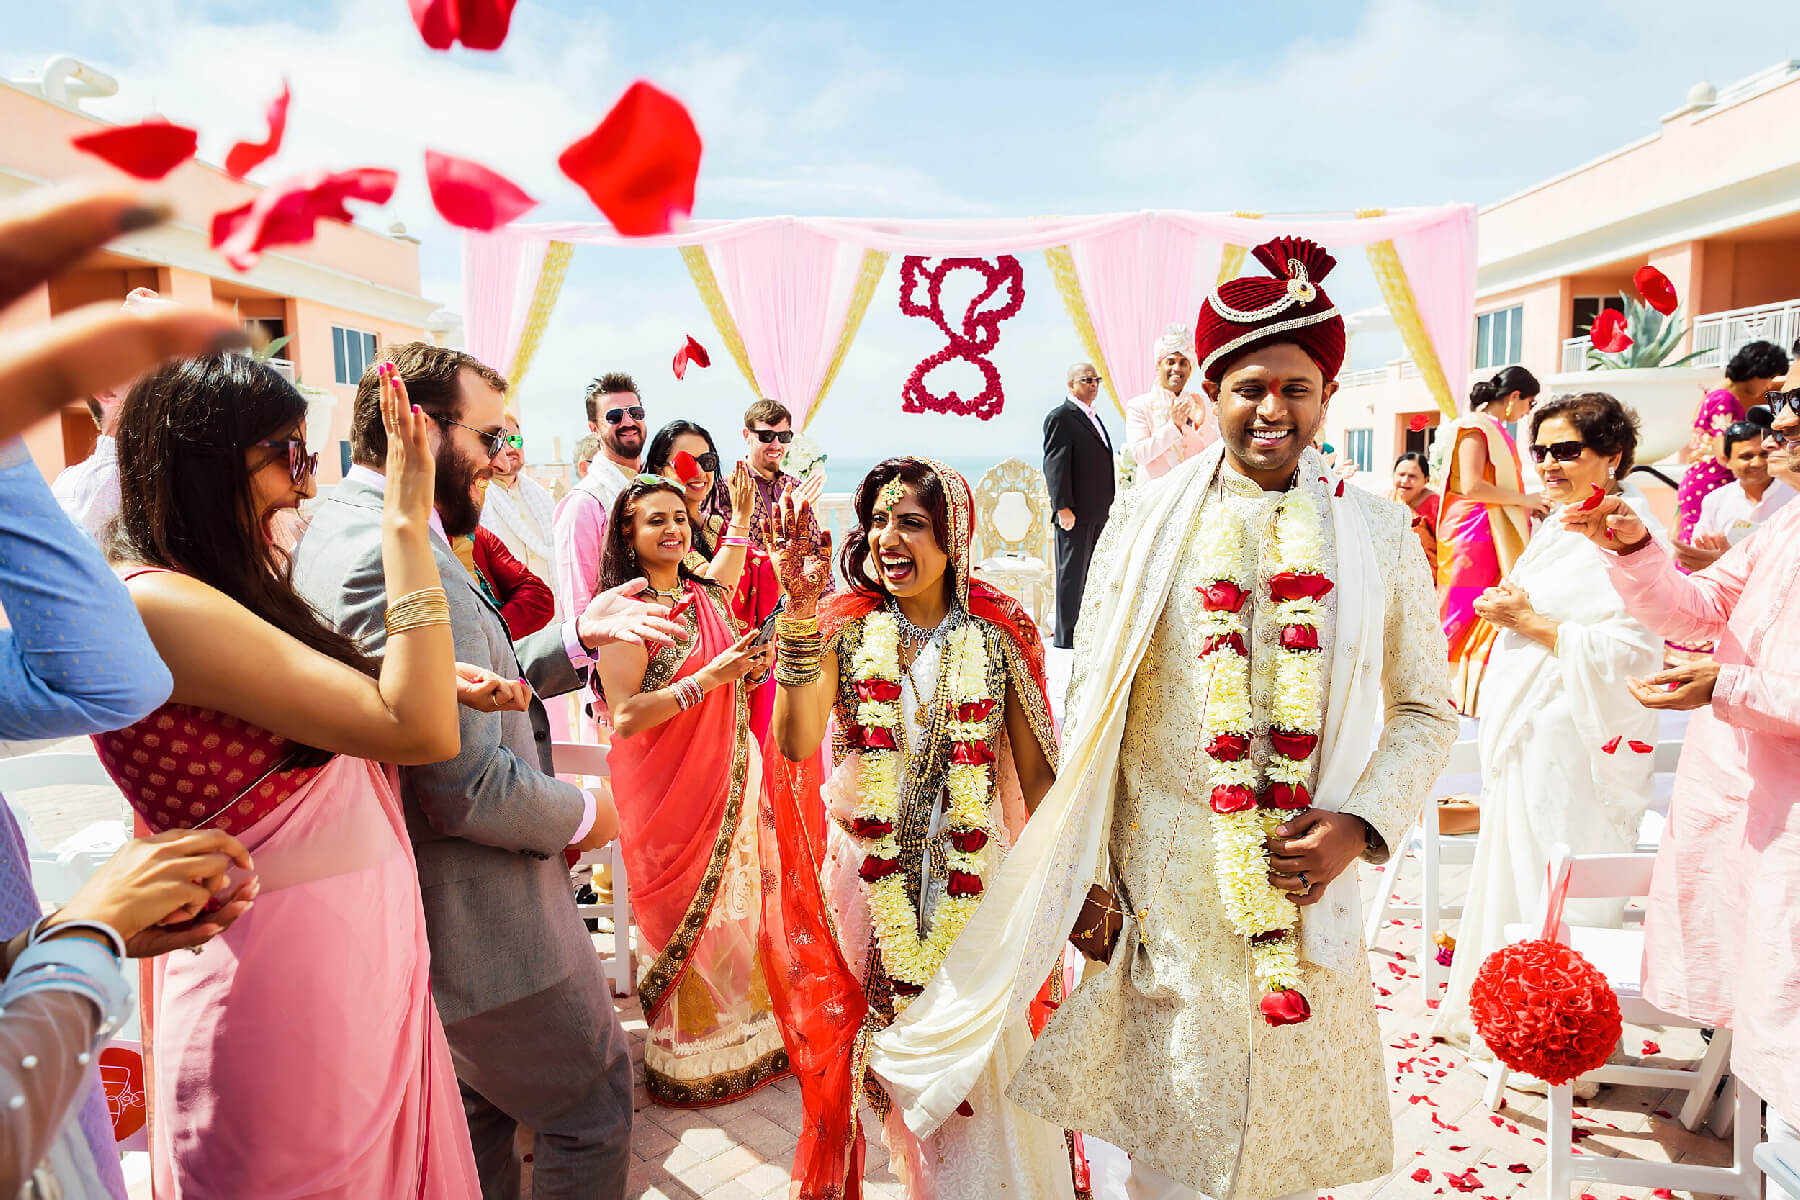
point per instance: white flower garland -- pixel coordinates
(1246, 806)
(910, 960)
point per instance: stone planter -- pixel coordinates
(1664, 398)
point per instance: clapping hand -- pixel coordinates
(1505, 606)
(43, 236)
(1611, 524)
(484, 691)
(616, 615)
(743, 495)
(802, 560)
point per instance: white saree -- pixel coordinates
(932, 1057)
(1546, 777)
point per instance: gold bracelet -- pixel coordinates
(420, 622)
(788, 626)
(427, 606)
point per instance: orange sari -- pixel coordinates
(690, 848)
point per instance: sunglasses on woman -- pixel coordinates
(1562, 452)
(708, 462)
(765, 436)
(299, 462)
(615, 415)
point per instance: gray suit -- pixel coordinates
(525, 1004)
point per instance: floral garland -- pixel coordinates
(1248, 805)
(910, 960)
(979, 335)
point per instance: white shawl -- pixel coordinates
(931, 1056)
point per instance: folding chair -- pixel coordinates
(581, 758)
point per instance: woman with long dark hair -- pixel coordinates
(944, 745)
(1484, 521)
(277, 1073)
(682, 766)
(718, 513)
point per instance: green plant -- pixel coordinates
(1653, 338)
(272, 349)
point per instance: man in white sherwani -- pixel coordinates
(1260, 699)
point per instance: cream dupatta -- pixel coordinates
(932, 1055)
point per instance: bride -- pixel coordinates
(934, 685)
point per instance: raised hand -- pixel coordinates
(411, 466)
(617, 615)
(743, 495)
(811, 488)
(1610, 525)
(802, 561)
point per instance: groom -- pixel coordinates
(1250, 628)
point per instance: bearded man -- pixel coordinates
(1248, 619)
(526, 1007)
(615, 413)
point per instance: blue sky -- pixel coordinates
(937, 109)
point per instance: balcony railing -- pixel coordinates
(1400, 368)
(1718, 336)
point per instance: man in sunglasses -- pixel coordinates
(1731, 513)
(615, 414)
(1721, 925)
(526, 1007)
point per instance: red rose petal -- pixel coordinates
(1436, 1120)
(1612, 744)
(470, 196)
(1638, 747)
(1520, 1168)
(478, 24)
(1421, 1176)
(1608, 334)
(692, 352)
(245, 157)
(148, 150)
(871, 827)
(1231, 798)
(285, 214)
(977, 754)
(1286, 1007)
(1223, 596)
(965, 1109)
(1468, 1181)
(1593, 500)
(1419, 422)
(1656, 289)
(687, 468)
(963, 883)
(1662, 1194)
(880, 690)
(639, 164)
(874, 868)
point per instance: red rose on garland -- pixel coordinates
(1231, 798)
(1298, 585)
(1299, 637)
(1223, 596)
(871, 827)
(881, 691)
(1286, 1007)
(969, 841)
(963, 883)
(976, 754)
(1545, 1010)
(875, 737)
(1216, 641)
(975, 710)
(1296, 746)
(1228, 747)
(1289, 797)
(874, 868)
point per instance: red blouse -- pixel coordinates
(180, 765)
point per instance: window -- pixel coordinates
(343, 458)
(352, 351)
(1500, 337)
(1586, 308)
(1361, 446)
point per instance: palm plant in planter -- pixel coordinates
(1653, 337)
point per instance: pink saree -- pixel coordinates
(299, 1053)
(690, 847)
(1477, 544)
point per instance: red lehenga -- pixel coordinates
(823, 961)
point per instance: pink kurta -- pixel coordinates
(1723, 928)
(1158, 444)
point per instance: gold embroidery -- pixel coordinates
(715, 1089)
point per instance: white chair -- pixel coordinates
(1619, 955)
(1782, 1165)
(1434, 850)
(1012, 521)
(58, 874)
(581, 758)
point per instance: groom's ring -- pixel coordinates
(1304, 885)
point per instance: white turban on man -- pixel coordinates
(1161, 427)
(1176, 339)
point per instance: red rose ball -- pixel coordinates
(1545, 1010)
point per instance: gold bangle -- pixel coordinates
(415, 610)
(796, 626)
(420, 622)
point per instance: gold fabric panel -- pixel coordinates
(874, 263)
(1384, 259)
(1062, 270)
(543, 303)
(707, 284)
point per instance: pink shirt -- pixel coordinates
(1722, 933)
(1158, 444)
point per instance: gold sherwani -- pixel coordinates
(1164, 1053)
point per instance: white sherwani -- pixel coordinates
(1164, 1053)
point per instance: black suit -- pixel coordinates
(1078, 469)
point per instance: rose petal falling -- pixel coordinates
(639, 164)
(148, 150)
(245, 157)
(1608, 334)
(470, 196)
(691, 352)
(477, 24)
(286, 213)
(1656, 289)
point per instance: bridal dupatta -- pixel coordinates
(691, 854)
(826, 1017)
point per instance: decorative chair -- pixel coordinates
(1619, 955)
(1012, 521)
(580, 758)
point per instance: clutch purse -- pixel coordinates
(1098, 927)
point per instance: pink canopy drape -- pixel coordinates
(786, 279)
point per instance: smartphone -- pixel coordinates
(767, 633)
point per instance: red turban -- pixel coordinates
(1245, 313)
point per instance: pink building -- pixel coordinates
(334, 299)
(1712, 198)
